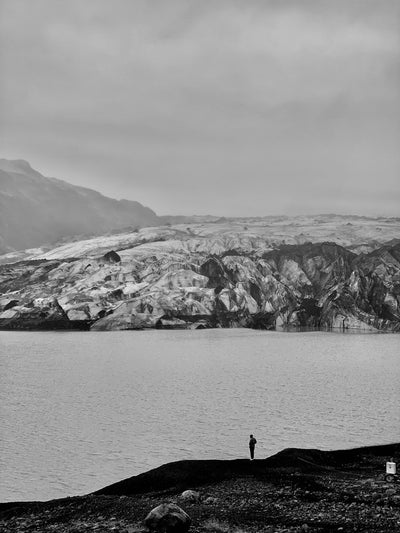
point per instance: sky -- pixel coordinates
(224, 107)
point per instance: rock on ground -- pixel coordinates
(168, 518)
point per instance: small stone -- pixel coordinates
(210, 500)
(190, 496)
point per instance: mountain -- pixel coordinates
(261, 273)
(35, 210)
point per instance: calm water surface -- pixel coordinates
(81, 410)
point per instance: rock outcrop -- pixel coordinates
(177, 277)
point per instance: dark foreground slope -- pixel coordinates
(183, 474)
(294, 491)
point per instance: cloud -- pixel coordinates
(166, 95)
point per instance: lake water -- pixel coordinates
(81, 410)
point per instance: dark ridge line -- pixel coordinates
(180, 475)
(188, 473)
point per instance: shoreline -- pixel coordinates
(86, 326)
(294, 490)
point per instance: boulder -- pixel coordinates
(168, 518)
(112, 257)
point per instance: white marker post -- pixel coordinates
(391, 468)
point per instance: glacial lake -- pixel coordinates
(81, 410)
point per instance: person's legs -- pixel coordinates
(251, 452)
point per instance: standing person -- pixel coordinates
(252, 445)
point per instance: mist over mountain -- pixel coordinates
(35, 210)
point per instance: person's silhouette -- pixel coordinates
(252, 445)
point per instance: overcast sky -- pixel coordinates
(228, 107)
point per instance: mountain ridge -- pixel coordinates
(36, 210)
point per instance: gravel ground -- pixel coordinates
(277, 502)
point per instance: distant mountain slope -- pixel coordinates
(35, 210)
